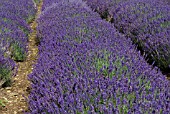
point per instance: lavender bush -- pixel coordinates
(86, 66)
(102, 6)
(13, 41)
(14, 28)
(14, 31)
(147, 23)
(6, 71)
(23, 9)
(47, 3)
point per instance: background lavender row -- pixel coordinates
(146, 22)
(86, 66)
(102, 6)
(14, 31)
(22, 9)
(47, 3)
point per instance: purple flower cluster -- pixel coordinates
(147, 22)
(47, 3)
(6, 62)
(14, 30)
(86, 66)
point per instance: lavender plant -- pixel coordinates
(17, 53)
(47, 3)
(147, 23)
(86, 66)
(102, 6)
(14, 28)
(23, 9)
(10, 33)
(6, 71)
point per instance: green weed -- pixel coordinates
(2, 102)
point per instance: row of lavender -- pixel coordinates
(86, 67)
(147, 22)
(14, 31)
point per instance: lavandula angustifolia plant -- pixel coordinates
(14, 27)
(23, 9)
(22, 12)
(47, 3)
(51, 3)
(147, 23)
(86, 66)
(6, 71)
(14, 31)
(12, 18)
(102, 6)
(10, 35)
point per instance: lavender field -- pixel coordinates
(94, 56)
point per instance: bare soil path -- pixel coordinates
(14, 95)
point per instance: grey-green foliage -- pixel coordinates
(82, 31)
(30, 18)
(165, 24)
(17, 52)
(104, 64)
